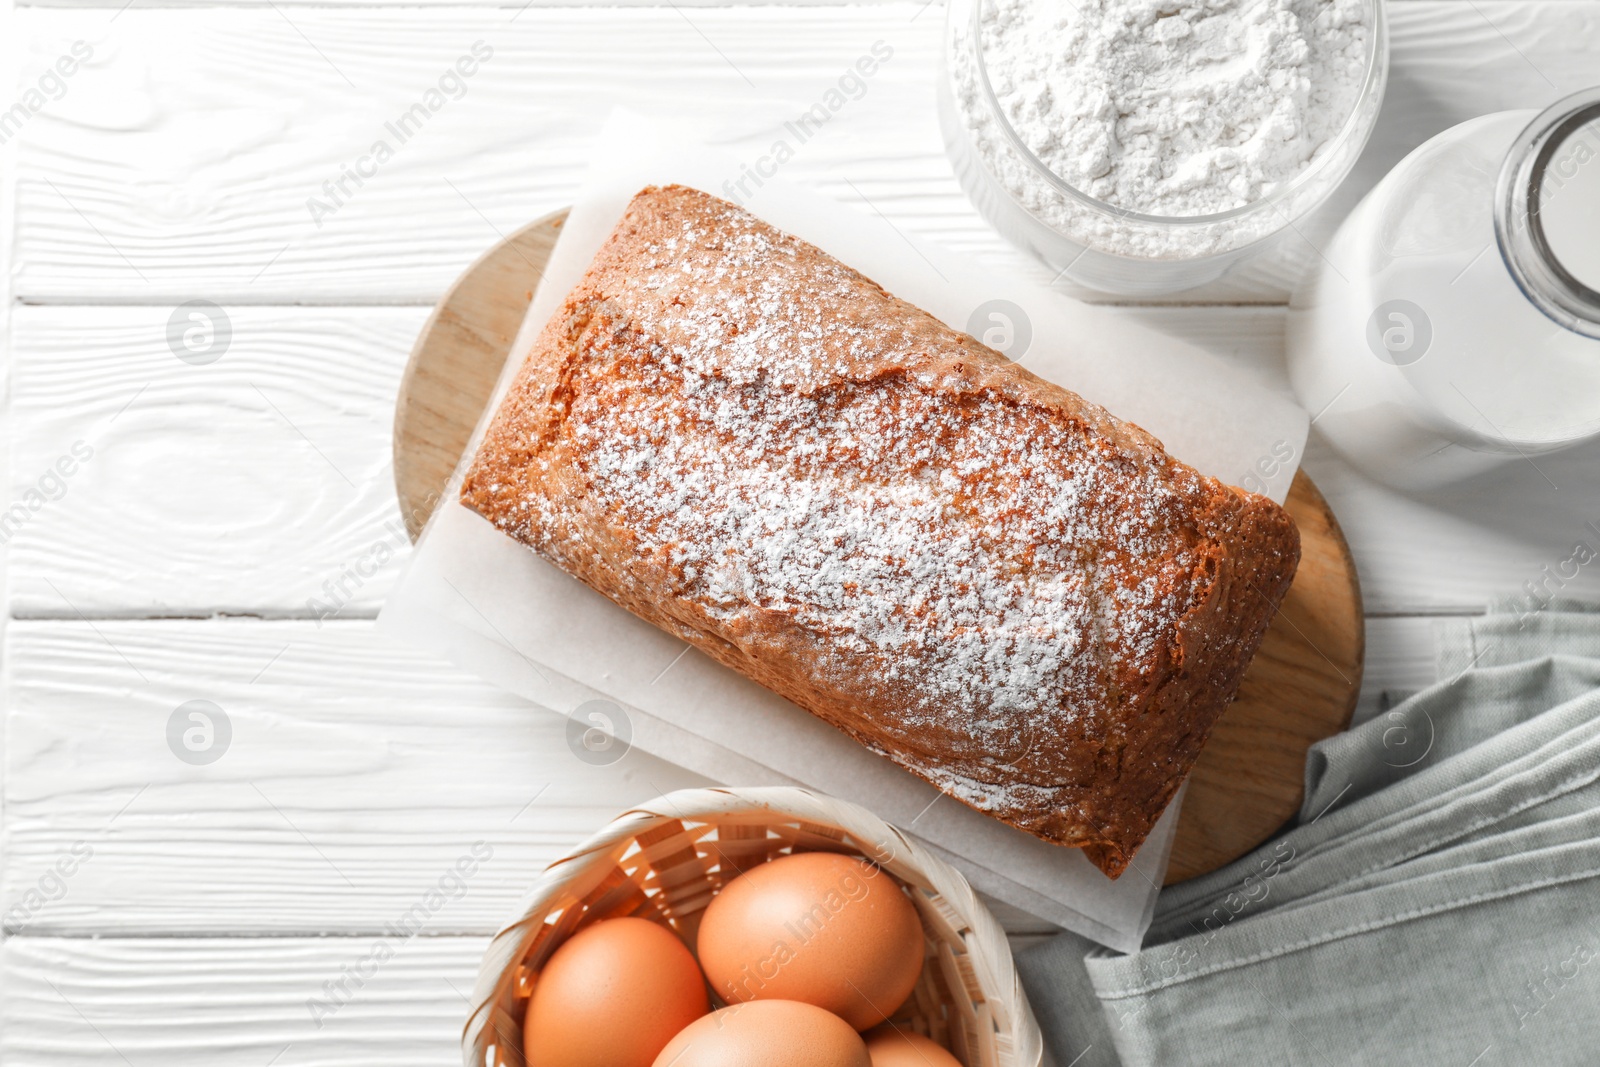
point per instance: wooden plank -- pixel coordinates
(233, 182)
(356, 775)
(10, 73)
(260, 483)
(232, 1001)
(188, 203)
(204, 497)
(1401, 659)
(510, 5)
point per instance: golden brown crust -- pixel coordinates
(969, 570)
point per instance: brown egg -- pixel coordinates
(767, 1033)
(825, 929)
(613, 996)
(901, 1048)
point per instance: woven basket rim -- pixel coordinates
(598, 854)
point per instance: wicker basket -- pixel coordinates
(665, 860)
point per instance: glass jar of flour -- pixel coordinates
(1455, 323)
(1140, 147)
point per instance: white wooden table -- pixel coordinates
(162, 912)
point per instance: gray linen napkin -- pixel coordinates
(1438, 901)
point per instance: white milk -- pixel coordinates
(1415, 347)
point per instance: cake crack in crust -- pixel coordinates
(969, 570)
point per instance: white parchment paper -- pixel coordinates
(498, 609)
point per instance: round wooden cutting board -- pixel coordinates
(1249, 779)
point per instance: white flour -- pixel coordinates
(1164, 107)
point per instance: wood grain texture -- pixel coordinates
(201, 497)
(384, 766)
(233, 1002)
(557, 71)
(441, 398)
(1402, 658)
(248, 485)
(186, 202)
(257, 484)
(356, 776)
(510, 5)
(357, 773)
(376, 760)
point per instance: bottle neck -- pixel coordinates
(1546, 190)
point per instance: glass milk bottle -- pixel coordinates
(1455, 323)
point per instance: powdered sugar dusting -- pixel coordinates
(990, 570)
